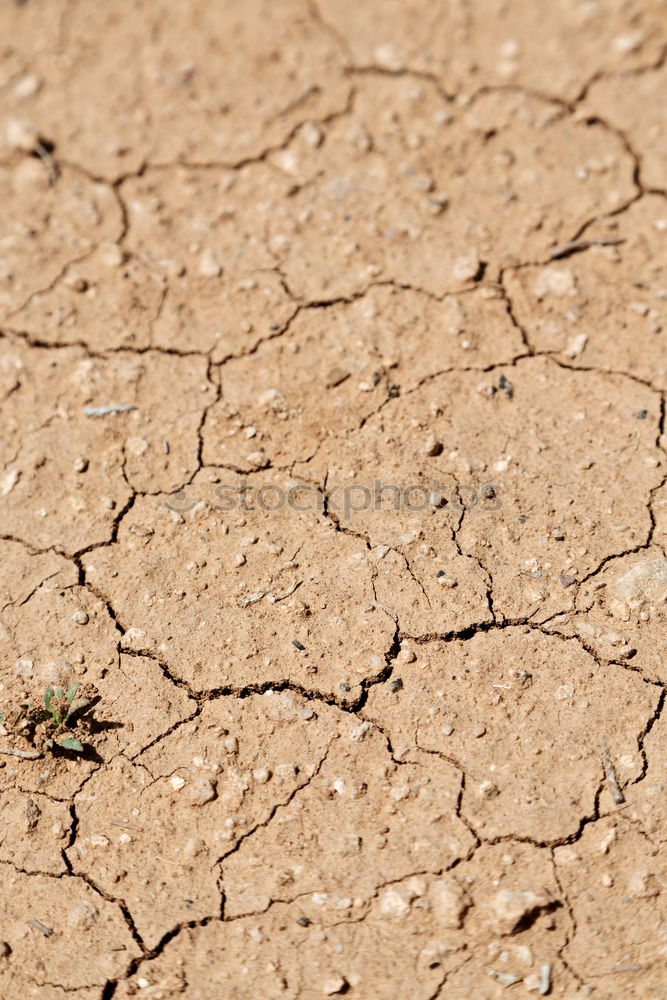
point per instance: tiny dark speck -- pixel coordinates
(345, 687)
(394, 391)
(640, 414)
(275, 326)
(440, 572)
(295, 642)
(505, 384)
(303, 922)
(434, 965)
(396, 685)
(346, 218)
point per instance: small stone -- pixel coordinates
(511, 907)
(5, 950)
(392, 904)
(396, 685)
(177, 782)
(269, 396)
(307, 713)
(488, 790)
(647, 581)
(261, 775)
(201, 791)
(239, 559)
(27, 86)
(80, 464)
(335, 377)
(558, 281)
(566, 580)
(331, 986)
(447, 730)
(467, 267)
(432, 446)
(312, 134)
(209, 266)
(359, 732)
(450, 902)
(406, 656)
(479, 731)
(80, 617)
(22, 134)
(98, 840)
(576, 344)
(258, 459)
(628, 42)
(444, 580)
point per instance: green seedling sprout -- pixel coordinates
(57, 717)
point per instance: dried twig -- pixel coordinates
(26, 754)
(574, 246)
(46, 931)
(610, 773)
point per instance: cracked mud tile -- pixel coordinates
(47, 226)
(33, 831)
(241, 595)
(22, 572)
(614, 879)
(401, 191)
(362, 820)
(555, 49)
(139, 704)
(605, 308)
(66, 472)
(635, 104)
(522, 715)
(193, 798)
(335, 366)
(50, 923)
(107, 301)
(201, 81)
(620, 613)
(556, 510)
(205, 233)
(499, 911)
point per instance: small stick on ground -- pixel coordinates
(574, 246)
(46, 931)
(610, 773)
(26, 754)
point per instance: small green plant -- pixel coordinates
(51, 724)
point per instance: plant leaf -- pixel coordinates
(48, 695)
(72, 691)
(76, 706)
(60, 693)
(70, 743)
(2, 716)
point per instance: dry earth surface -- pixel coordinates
(364, 565)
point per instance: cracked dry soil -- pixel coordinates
(332, 463)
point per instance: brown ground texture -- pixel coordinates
(333, 469)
